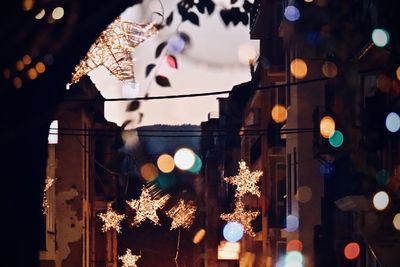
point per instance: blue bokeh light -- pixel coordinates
(292, 223)
(175, 44)
(233, 231)
(292, 13)
(392, 122)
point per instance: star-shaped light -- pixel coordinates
(146, 207)
(113, 49)
(111, 219)
(129, 260)
(182, 215)
(241, 216)
(246, 181)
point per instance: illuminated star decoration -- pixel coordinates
(129, 260)
(241, 216)
(146, 207)
(113, 49)
(45, 204)
(245, 181)
(111, 219)
(182, 215)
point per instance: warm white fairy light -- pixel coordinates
(113, 49)
(246, 181)
(129, 260)
(146, 207)
(182, 215)
(241, 216)
(111, 219)
(45, 203)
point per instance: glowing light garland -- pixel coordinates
(245, 181)
(113, 49)
(45, 204)
(241, 216)
(182, 215)
(111, 219)
(146, 207)
(129, 260)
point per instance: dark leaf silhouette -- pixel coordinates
(226, 16)
(244, 18)
(162, 81)
(193, 18)
(210, 6)
(169, 19)
(171, 60)
(146, 95)
(247, 6)
(133, 105)
(185, 37)
(160, 48)
(201, 7)
(140, 117)
(233, 1)
(149, 68)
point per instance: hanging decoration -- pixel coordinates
(245, 181)
(241, 216)
(113, 49)
(48, 183)
(111, 219)
(146, 207)
(182, 215)
(129, 260)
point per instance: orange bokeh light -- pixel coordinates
(279, 113)
(32, 74)
(298, 68)
(40, 67)
(17, 82)
(294, 245)
(27, 59)
(165, 163)
(352, 251)
(327, 126)
(329, 69)
(149, 172)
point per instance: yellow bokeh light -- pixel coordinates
(149, 172)
(327, 126)
(279, 113)
(165, 163)
(27, 4)
(381, 200)
(199, 236)
(17, 82)
(19, 65)
(184, 158)
(40, 67)
(57, 13)
(32, 74)
(298, 68)
(396, 221)
(41, 14)
(329, 69)
(398, 73)
(27, 59)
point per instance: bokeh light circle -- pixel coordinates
(380, 37)
(184, 158)
(396, 221)
(381, 200)
(198, 163)
(292, 223)
(165, 163)
(298, 68)
(175, 44)
(149, 172)
(351, 251)
(329, 69)
(199, 236)
(294, 245)
(233, 231)
(293, 264)
(57, 13)
(327, 126)
(392, 122)
(336, 140)
(166, 180)
(279, 113)
(294, 256)
(304, 194)
(398, 73)
(292, 13)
